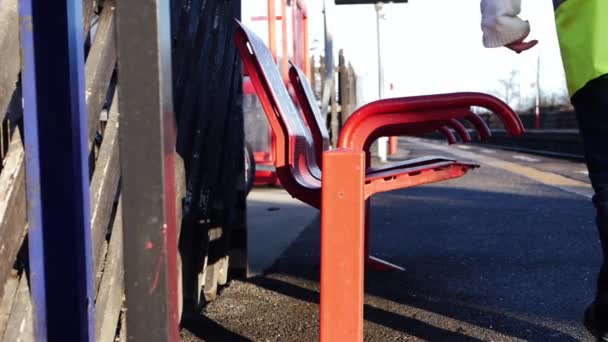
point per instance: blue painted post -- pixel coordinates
(57, 170)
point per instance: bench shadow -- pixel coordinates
(415, 327)
(431, 288)
(208, 330)
(385, 318)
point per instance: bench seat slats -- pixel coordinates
(408, 163)
(413, 171)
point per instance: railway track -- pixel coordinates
(562, 143)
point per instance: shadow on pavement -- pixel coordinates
(517, 264)
(201, 328)
(388, 319)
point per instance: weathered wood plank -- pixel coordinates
(20, 324)
(88, 11)
(6, 305)
(9, 52)
(4, 141)
(335, 125)
(109, 300)
(12, 207)
(104, 185)
(346, 85)
(122, 335)
(213, 268)
(99, 67)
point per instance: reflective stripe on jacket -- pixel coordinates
(582, 28)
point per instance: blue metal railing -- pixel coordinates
(57, 170)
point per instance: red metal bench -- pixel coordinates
(340, 189)
(316, 124)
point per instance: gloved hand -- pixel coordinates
(521, 45)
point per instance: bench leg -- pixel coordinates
(373, 263)
(342, 246)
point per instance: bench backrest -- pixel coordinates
(294, 142)
(312, 112)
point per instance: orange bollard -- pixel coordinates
(272, 33)
(392, 146)
(284, 46)
(342, 250)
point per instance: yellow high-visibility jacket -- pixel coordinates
(582, 27)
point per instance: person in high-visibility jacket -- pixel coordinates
(582, 27)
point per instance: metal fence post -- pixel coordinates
(147, 151)
(57, 170)
(383, 141)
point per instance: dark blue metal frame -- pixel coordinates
(57, 170)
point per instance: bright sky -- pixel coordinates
(434, 46)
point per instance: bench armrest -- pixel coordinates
(413, 115)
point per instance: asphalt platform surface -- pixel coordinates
(508, 252)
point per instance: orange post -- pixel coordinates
(392, 145)
(307, 66)
(285, 53)
(342, 250)
(272, 34)
(295, 14)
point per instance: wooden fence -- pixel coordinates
(15, 305)
(106, 227)
(342, 89)
(207, 87)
